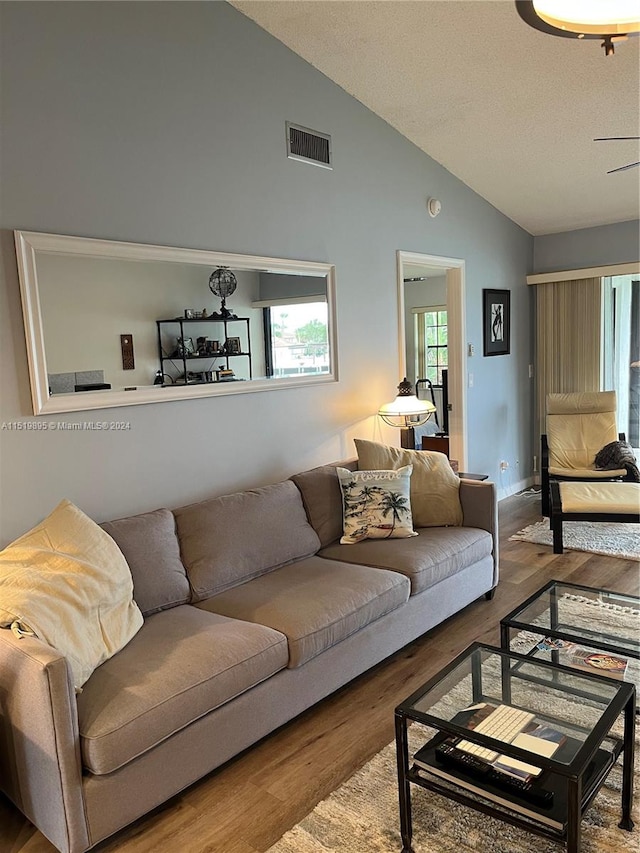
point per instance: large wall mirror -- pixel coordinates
(115, 324)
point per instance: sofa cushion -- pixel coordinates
(322, 498)
(435, 500)
(376, 504)
(67, 581)
(150, 546)
(436, 553)
(228, 540)
(183, 663)
(316, 603)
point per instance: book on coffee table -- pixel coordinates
(588, 660)
(430, 768)
(604, 663)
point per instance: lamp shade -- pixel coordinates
(612, 21)
(406, 410)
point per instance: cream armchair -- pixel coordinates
(578, 426)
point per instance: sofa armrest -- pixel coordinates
(40, 767)
(479, 501)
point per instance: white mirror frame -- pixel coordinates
(29, 243)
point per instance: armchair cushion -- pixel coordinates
(578, 425)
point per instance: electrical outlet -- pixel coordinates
(471, 380)
(471, 350)
(535, 464)
(504, 465)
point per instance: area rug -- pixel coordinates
(362, 815)
(599, 537)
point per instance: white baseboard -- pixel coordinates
(507, 489)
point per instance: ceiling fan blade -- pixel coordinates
(612, 138)
(624, 168)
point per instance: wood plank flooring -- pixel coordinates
(248, 804)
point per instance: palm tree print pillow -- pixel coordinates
(375, 504)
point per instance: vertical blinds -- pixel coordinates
(568, 349)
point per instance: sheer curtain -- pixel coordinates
(568, 335)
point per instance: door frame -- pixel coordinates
(454, 269)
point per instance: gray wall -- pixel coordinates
(588, 247)
(164, 123)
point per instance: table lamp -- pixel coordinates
(406, 412)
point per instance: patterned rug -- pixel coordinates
(598, 537)
(362, 815)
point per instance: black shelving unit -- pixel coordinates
(186, 328)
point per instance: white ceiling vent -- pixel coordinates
(308, 146)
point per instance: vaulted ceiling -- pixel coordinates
(510, 111)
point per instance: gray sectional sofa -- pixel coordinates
(253, 611)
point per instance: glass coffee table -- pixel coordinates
(546, 778)
(586, 627)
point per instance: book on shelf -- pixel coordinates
(430, 768)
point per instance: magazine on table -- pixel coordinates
(588, 660)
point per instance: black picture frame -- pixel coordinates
(496, 322)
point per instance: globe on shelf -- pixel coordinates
(223, 283)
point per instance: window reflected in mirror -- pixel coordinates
(110, 319)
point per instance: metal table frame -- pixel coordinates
(574, 772)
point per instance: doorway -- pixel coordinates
(414, 269)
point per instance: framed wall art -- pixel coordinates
(496, 321)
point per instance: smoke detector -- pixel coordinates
(433, 206)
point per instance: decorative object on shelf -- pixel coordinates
(188, 313)
(612, 22)
(406, 412)
(213, 346)
(184, 346)
(232, 346)
(225, 374)
(222, 283)
(496, 321)
(160, 378)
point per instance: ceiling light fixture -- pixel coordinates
(612, 21)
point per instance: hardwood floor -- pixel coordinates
(248, 804)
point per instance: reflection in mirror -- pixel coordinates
(111, 324)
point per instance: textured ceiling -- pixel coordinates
(509, 111)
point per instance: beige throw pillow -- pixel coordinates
(435, 498)
(376, 504)
(67, 582)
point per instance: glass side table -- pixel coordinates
(484, 677)
(592, 619)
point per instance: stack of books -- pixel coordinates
(225, 375)
(513, 784)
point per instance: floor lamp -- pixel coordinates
(406, 412)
